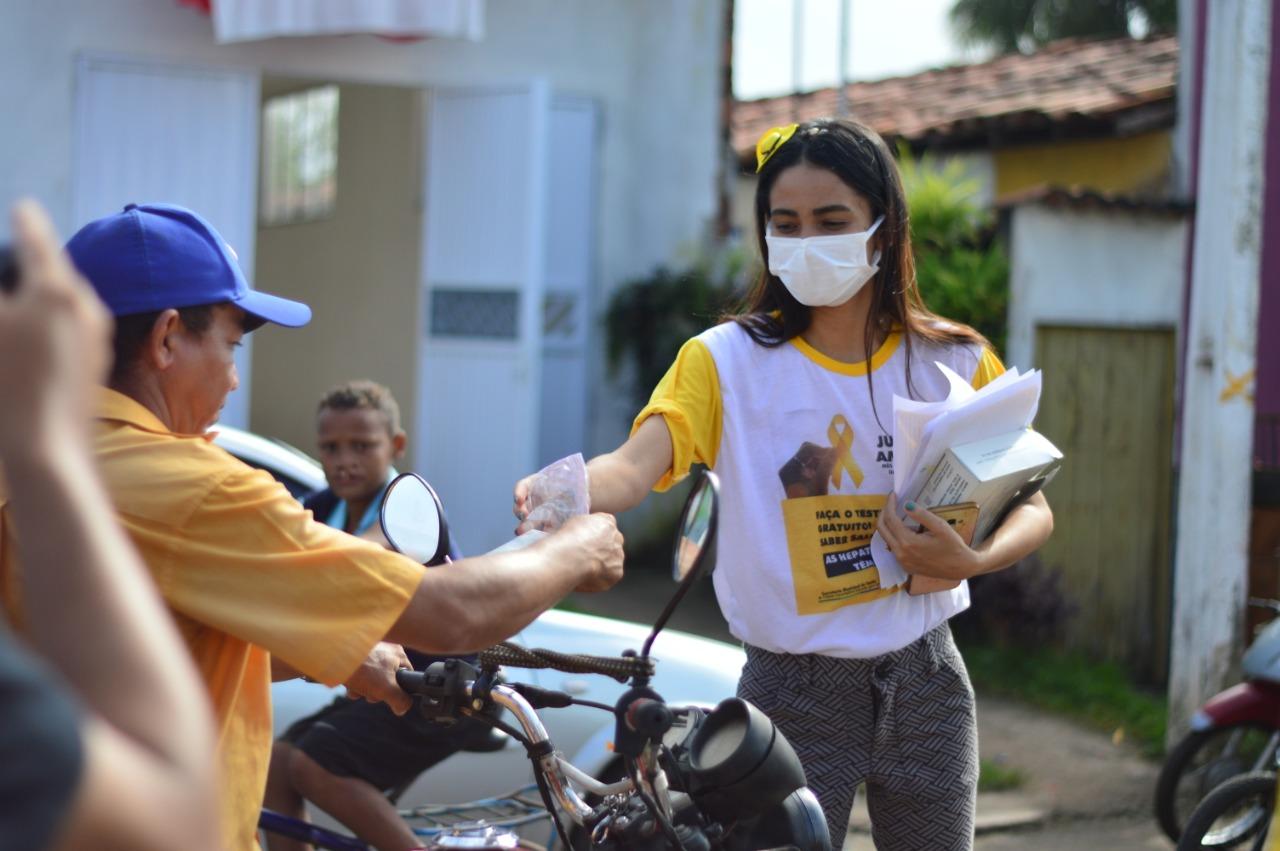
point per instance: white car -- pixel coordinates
(690, 670)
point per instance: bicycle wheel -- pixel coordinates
(1203, 760)
(1237, 812)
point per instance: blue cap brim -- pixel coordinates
(282, 311)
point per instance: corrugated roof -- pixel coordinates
(1073, 87)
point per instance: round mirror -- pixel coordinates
(697, 525)
(413, 520)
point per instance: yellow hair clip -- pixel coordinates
(772, 139)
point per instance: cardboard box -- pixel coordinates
(998, 474)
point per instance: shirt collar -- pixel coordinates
(338, 517)
(116, 406)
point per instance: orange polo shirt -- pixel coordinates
(247, 573)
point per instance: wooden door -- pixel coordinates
(1108, 405)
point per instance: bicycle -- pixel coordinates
(504, 814)
(695, 780)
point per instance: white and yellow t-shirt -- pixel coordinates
(805, 463)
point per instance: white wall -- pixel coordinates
(1091, 268)
(651, 66)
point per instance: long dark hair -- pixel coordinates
(859, 157)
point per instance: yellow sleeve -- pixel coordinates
(688, 398)
(254, 564)
(989, 369)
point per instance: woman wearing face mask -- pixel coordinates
(790, 402)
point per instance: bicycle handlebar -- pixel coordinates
(621, 668)
(418, 682)
(411, 681)
(448, 684)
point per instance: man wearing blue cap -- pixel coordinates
(247, 573)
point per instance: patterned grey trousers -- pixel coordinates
(903, 723)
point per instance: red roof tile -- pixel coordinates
(1078, 86)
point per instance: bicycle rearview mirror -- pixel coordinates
(697, 522)
(694, 535)
(413, 520)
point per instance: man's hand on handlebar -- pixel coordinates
(595, 537)
(375, 679)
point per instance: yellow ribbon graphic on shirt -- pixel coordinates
(840, 433)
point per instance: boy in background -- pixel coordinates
(359, 438)
(348, 755)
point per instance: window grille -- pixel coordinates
(299, 156)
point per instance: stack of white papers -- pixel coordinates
(924, 431)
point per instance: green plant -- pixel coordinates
(1100, 695)
(1023, 606)
(994, 777)
(962, 272)
(648, 319)
(1009, 25)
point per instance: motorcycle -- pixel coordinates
(1236, 731)
(1237, 811)
(695, 779)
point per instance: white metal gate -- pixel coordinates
(154, 132)
(484, 269)
(566, 330)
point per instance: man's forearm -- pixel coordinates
(79, 569)
(474, 603)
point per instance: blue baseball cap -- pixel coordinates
(151, 257)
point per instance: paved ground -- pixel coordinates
(1082, 789)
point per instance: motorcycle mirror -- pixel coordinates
(696, 525)
(413, 520)
(694, 534)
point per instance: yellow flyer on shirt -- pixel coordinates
(829, 541)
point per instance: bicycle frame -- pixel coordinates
(508, 812)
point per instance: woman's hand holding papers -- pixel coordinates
(935, 549)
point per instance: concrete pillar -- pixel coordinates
(1211, 561)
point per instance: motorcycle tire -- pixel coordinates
(1234, 813)
(1172, 809)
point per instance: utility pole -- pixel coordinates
(1211, 571)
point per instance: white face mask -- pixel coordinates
(823, 271)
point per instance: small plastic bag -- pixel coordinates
(519, 542)
(557, 492)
